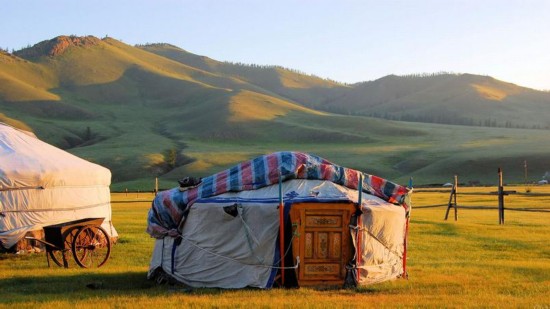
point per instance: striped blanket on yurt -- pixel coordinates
(170, 207)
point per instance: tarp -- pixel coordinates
(170, 207)
(216, 249)
(42, 185)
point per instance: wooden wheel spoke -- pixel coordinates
(91, 247)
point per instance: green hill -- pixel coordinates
(464, 99)
(308, 90)
(159, 111)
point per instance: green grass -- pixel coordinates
(474, 262)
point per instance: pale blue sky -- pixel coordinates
(344, 40)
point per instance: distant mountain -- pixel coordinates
(158, 110)
(464, 99)
(450, 98)
(305, 89)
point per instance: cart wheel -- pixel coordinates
(57, 255)
(91, 247)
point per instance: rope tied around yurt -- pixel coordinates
(359, 228)
(22, 188)
(248, 233)
(55, 209)
(235, 210)
(238, 261)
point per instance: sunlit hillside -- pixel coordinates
(305, 89)
(24, 81)
(159, 111)
(463, 99)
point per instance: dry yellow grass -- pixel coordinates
(20, 91)
(474, 262)
(155, 158)
(496, 94)
(250, 106)
(14, 123)
(207, 161)
(292, 80)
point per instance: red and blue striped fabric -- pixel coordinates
(170, 207)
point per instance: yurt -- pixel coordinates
(42, 185)
(286, 219)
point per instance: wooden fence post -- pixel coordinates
(500, 198)
(452, 200)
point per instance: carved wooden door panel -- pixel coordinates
(322, 241)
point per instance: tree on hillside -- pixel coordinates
(171, 158)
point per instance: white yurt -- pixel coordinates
(42, 185)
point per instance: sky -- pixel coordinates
(344, 40)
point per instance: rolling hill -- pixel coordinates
(463, 99)
(158, 110)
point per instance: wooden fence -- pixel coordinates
(500, 193)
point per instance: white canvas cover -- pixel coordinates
(218, 250)
(42, 185)
(379, 239)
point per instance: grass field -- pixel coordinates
(474, 262)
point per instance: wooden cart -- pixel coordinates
(85, 238)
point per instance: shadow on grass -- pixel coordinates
(89, 286)
(502, 244)
(437, 228)
(76, 283)
(86, 286)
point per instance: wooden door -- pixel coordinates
(322, 241)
